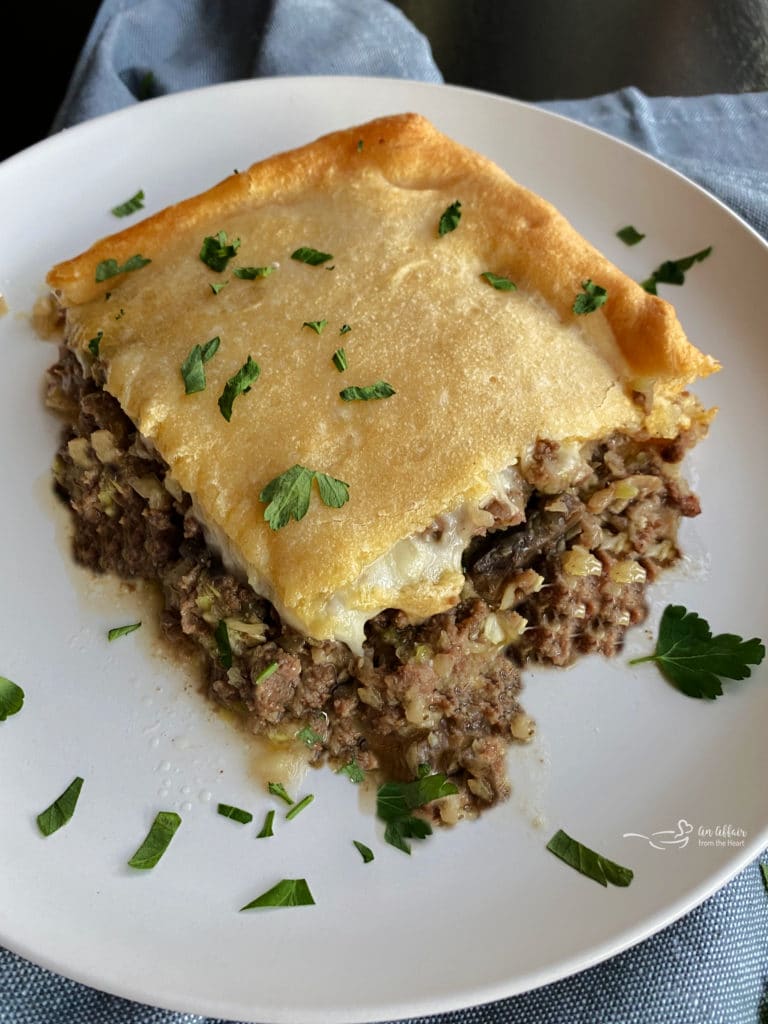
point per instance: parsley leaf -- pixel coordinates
(240, 384)
(353, 771)
(119, 631)
(674, 271)
(369, 391)
(339, 358)
(11, 698)
(216, 286)
(694, 660)
(586, 861)
(590, 299)
(278, 789)
(396, 800)
(503, 284)
(290, 892)
(251, 273)
(629, 235)
(111, 268)
(236, 813)
(192, 371)
(266, 829)
(318, 326)
(223, 645)
(217, 251)
(94, 343)
(287, 495)
(345, 329)
(306, 254)
(61, 810)
(130, 205)
(308, 736)
(365, 851)
(450, 218)
(157, 840)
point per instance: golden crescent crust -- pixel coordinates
(479, 374)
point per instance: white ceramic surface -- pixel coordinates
(478, 912)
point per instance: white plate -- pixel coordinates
(478, 912)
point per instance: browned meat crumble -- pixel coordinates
(567, 577)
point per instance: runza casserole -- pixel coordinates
(383, 426)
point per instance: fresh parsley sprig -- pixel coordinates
(239, 384)
(136, 202)
(216, 250)
(694, 660)
(368, 392)
(61, 810)
(674, 271)
(587, 862)
(111, 268)
(157, 840)
(287, 495)
(289, 892)
(449, 219)
(11, 698)
(396, 800)
(192, 369)
(591, 298)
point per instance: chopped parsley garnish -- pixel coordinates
(157, 841)
(318, 326)
(278, 789)
(396, 800)
(236, 813)
(240, 384)
(339, 358)
(192, 370)
(216, 287)
(266, 673)
(305, 254)
(345, 329)
(217, 251)
(694, 660)
(299, 807)
(365, 851)
(359, 145)
(111, 268)
(11, 698)
(450, 218)
(119, 631)
(290, 892)
(590, 299)
(94, 343)
(251, 273)
(121, 314)
(368, 392)
(308, 736)
(503, 284)
(629, 235)
(266, 829)
(288, 494)
(353, 771)
(61, 810)
(223, 645)
(586, 861)
(674, 271)
(136, 202)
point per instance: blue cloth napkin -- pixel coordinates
(711, 966)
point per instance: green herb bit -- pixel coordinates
(502, 284)
(287, 495)
(119, 631)
(266, 673)
(590, 299)
(192, 370)
(157, 840)
(252, 273)
(266, 829)
(629, 235)
(290, 892)
(396, 800)
(121, 314)
(318, 326)
(299, 807)
(359, 145)
(450, 218)
(365, 851)
(240, 384)
(308, 736)
(223, 645)
(694, 660)
(236, 813)
(11, 698)
(278, 789)
(61, 810)
(217, 251)
(306, 254)
(111, 268)
(368, 392)
(216, 288)
(345, 329)
(136, 202)
(94, 343)
(764, 869)
(586, 861)
(674, 271)
(353, 771)
(339, 358)
(146, 88)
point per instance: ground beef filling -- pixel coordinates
(569, 578)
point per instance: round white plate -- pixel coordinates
(477, 912)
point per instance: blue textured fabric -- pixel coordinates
(710, 967)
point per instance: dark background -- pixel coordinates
(527, 49)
